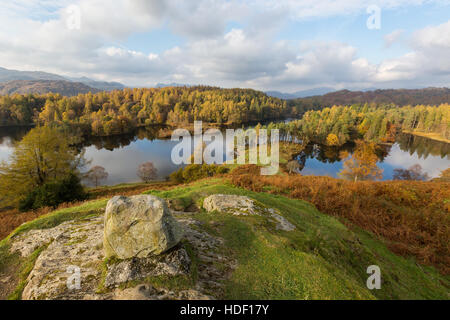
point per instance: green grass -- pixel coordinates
(124, 186)
(322, 259)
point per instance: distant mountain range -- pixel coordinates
(174, 84)
(65, 88)
(11, 75)
(10, 81)
(101, 85)
(300, 94)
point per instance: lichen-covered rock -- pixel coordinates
(148, 292)
(139, 226)
(282, 223)
(77, 246)
(173, 263)
(237, 205)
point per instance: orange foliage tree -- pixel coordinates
(362, 165)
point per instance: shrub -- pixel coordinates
(195, 172)
(53, 194)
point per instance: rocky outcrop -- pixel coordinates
(237, 205)
(78, 246)
(176, 262)
(139, 226)
(141, 223)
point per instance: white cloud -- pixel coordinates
(323, 63)
(308, 9)
(248, 56)
(392, 37)
(427, 63)
(433, 37)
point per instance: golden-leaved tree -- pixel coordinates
(44, 155)
(362, 165)
(332, 140)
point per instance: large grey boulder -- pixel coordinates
(139, 226)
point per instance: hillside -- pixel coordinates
(300, 94)
(64, 88)
(100, 85)
(7, 75)
(400, 97)
(303, 254)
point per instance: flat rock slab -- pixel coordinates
(78, 246)
(173, 263)
(243, 206)
(281, 222)
(237, 205)
(147, 292)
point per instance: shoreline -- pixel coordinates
(431, 136)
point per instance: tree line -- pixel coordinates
(339, 124)
(120, 111)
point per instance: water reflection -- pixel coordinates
(121, 155)
(433, 156)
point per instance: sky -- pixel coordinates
(284, 45)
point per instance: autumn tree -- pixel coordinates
(444, 176)
(43, 156)
(147, 172)
(293, 167)
(96, 174)
(362, 164)
(332, 140)
(415, 172)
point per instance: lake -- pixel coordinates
(121, 155)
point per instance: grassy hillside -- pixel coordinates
(412, 216)
(321, 259)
